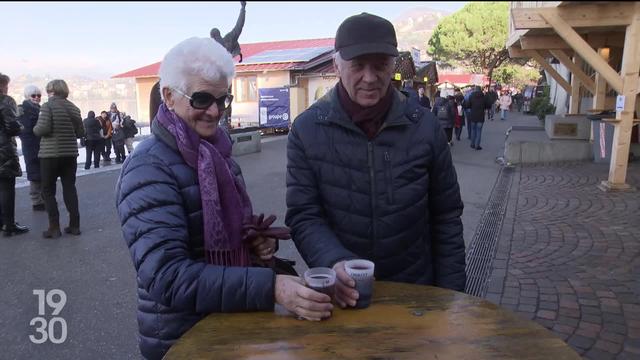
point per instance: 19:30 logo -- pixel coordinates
(54, 330)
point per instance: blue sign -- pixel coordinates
(274, 107)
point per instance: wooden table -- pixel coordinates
(404, 322)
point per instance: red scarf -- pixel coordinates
(368, 119)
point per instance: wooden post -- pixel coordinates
(574, 105)
(601, 84)
(622, 133)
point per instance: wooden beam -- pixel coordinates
(534, 54)
(611, 14)
(574, 104)
(543, 42)
(602, 39)
(575, 70)
(516, 52)
(583, 49)
(622, 132)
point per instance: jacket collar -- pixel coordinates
(164, 135)
(332, 112)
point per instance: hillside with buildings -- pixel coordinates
(88, 94)
(414, 28)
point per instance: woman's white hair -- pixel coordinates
(30, 90)
(195, 57)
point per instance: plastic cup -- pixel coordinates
(321, 279)
(361, 271)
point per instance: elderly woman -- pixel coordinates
(59, 125)
(185, 211)
(28, 117)
(9, 164)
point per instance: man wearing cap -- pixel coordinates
(369, 173)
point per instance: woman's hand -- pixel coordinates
(291, 293)
(263, 247)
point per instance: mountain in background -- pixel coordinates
(415, 26)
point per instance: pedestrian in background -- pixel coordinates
(94, 143)
(505, 104)
(130, 131)
(118, 143)
(107, 132)
(9, 163)
(478, 103)
(59, 125)
(423, 99)
(28, 116)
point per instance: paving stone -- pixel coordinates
(581, 341)
(605, 294)
(546, 305)
(528, 301)
(509, 300)
(547, 314)
(548, 298)
(567, 321)
(613, 337)
(608, 346)
(587, 333)
(590, 310)
(564, 329)
(616, 328)
(526, 308)
(597, 354)
(587, 302)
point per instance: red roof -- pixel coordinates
(247, 51)
(462, 78)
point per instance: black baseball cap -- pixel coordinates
(366, 34)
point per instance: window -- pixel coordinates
(245, 89)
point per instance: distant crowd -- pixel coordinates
(49, 136)
(470, 108)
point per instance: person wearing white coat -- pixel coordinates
(505, 103)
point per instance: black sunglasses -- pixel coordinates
(36, 95)
(203, 100)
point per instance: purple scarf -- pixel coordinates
(226, 207)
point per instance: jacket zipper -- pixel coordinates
(374, 215)
(387, 168)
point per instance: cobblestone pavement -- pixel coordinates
(572, 262)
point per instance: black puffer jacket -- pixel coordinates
(394, 200)
(30, 142)
(158, 201)
(9, 127)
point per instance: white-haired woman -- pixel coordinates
(59, 125)
(186, 215)
(28, 116)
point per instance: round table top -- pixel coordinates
(404, 321)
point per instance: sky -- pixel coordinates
(102, 39)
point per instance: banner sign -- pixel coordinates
(274, 107)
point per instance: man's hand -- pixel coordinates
(291, 293)
(346, 294)
(264, 247)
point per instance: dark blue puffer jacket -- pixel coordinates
(394, 200)
(158, 201)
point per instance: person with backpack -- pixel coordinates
(442, 108)
(130, 131)
(118, 142)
